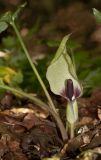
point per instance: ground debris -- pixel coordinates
(25, 135)
(85, 141)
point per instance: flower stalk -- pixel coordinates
(71, 108)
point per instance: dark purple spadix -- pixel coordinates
(69, 89)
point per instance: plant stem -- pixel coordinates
(71, 117)
(72, 109)
(72, 131)
(72, 128)
(43, 106)
(33, 66)
(51, 107)
(60, 125)
(34, 99)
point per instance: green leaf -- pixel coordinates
(9, 16)
(61, 69)
(17, 78)
(10, 42)
(97, 15)
(16, 13)
(10, 76)
(6, 17)
(3, 26)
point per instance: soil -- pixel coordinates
(28, 132)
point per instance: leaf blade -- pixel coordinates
(3, 26)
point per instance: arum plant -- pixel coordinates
(9, 19)
(63, 81)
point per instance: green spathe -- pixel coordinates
(72, 112)
(61, 69)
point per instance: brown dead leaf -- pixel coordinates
(14, 146)
(20, 156)
(7, 100)
(15, 151)
(9, 120)
(3, 149)
(17, 129)
(41, 143)
(19, 112)
(85, 120)
(99, 113)
(30, 120)
(39, 112)
(96, 98)
(15, 126)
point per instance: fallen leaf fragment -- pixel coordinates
(3, 149)
(55, 157)
(99, 113)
